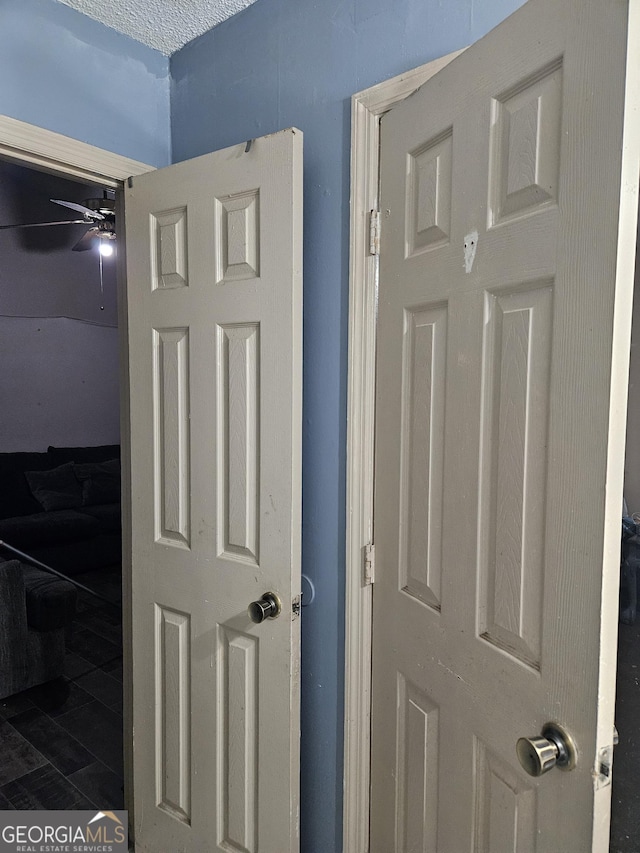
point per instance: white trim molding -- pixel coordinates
(52, 152)
(367, 108)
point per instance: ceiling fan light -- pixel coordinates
(106, 249)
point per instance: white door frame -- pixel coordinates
(29, 145)
(367, 108)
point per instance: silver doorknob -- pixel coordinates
(553, 748)
(267, 607)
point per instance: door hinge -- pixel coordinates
(374, 232)
(369, 563)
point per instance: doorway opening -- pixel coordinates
(61, 680)
(56, 154)
(625, 801)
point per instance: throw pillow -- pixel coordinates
(100, 481)
(55, 489)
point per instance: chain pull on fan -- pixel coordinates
(101, 283)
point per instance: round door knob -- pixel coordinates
(267, 607)
(554, 747)
(537, 754)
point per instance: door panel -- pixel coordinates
(214, 289)
(507, 182)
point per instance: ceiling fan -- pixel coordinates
(99, 213)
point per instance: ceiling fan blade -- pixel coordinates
(44, 224)
(93, 214)
(86, 241)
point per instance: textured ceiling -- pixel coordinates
(165, 25)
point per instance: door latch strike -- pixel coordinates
(295, 607)
(604, 763)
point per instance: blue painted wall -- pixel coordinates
(66, 72)
(297, 62)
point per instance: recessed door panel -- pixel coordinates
(238, 733)
(505, 806)
(239, 441)
(416, 769)
(420, 505)
(171, 436)
(514, 463)
(169, 249)
(173, 712)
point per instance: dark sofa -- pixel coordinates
(37, 610)
(85, 533)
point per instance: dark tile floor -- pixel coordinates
(625, 795)
(61, 742)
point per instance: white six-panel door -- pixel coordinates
(509, 196)
(214, 250)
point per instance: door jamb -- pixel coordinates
(52, 152)
(367, 108)
(33, 146)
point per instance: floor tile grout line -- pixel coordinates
(62, 728)
(73, 737)
(49, 763)
(109, 770)
(82, 793)
(35, 749)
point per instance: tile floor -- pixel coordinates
(61, 743)
(625, 800)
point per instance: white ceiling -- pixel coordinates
(165, 25)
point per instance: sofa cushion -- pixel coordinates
(101, 453)
(51, 601)
(100, 481)
(15, 495)
(108, 515)
(57, 488)
(44, 528)
(81, 555)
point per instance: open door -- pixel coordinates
(509, 189)
(214, 268)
